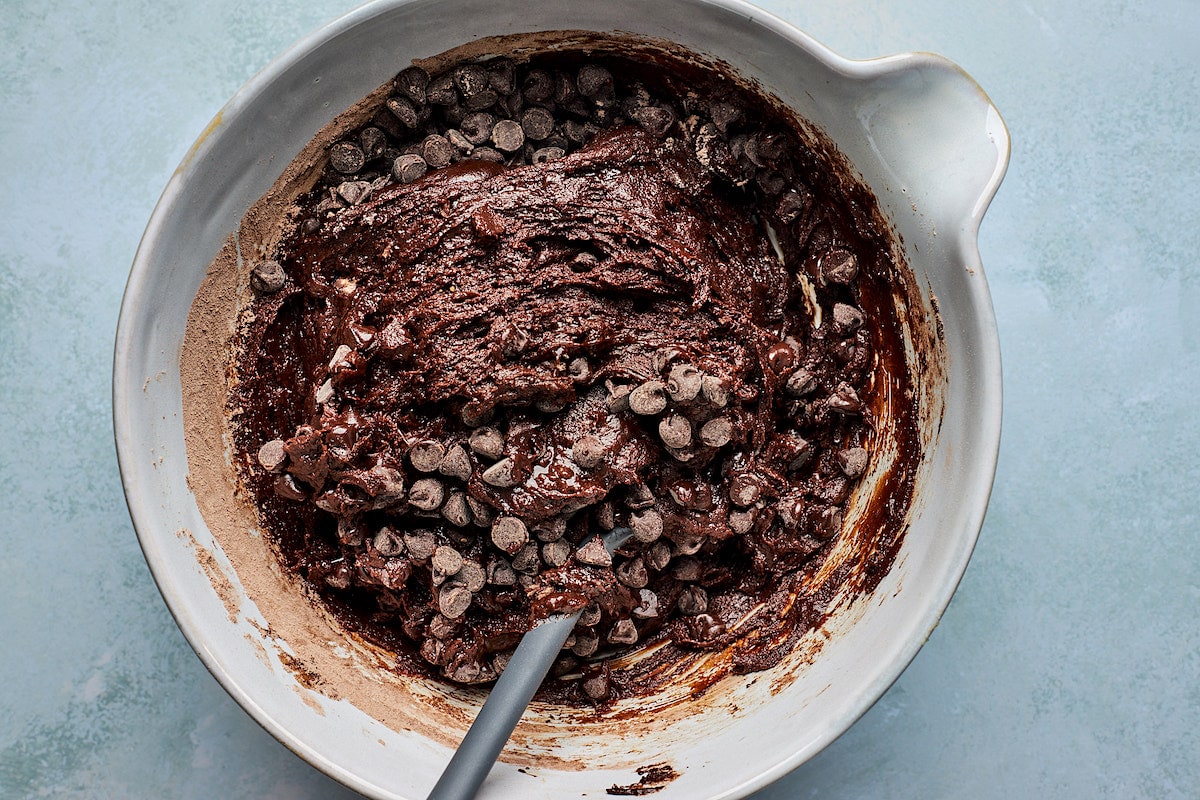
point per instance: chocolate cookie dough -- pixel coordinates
(529, 302)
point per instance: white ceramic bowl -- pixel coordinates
(923, 137)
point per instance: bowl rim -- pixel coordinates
(965, 245)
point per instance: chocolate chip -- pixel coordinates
(527, 560)
(684, 383)
(790, 510)
(453, 601)
(538, 86)
(471, 575)
(632, 573)
(591, 615)
(426, 455)
(782, 356)
(288, 488)
(596, 82)
(853, 461)
(446, 560)
(649, 398)
(426, 494)
(624, 632)
(557, 553)
(639, 496)
(483, 153)
(587, 451)
(654, 120)
(593, 553)
(839, 266)
(456, 463)
(550, 530)
(272, 456)
(470, 79)
(715, 391)
(413, 81)
(618, 397)
(500, 474)
(388, 542)
(441, 627)
(508, 136)
(538, 123)
(408, 168)
(828, 522)
(801, 382)
(586, 644)
(501, 573)
(595, 683)
(437, 150)
(724, 115)
(844, 399)
(456, 511)
(847, 318)
(420, 545)
(403, 109)
(477, 102)
(458, 141)
(744, 489)
(647, 607)
(441, 91)
(793, 203)
(509, 534)
(658, 556)
(346, 157)
(646, 525)
(481, 512)
(373, 142)
(675, 430)
(487, 442)
(741, 520)
(579, 370)
(502, 75)
(544, 154)
(432, 650)
(716, 432)
(579, 132)
(693, 600)
(477, 127)
(267, 277)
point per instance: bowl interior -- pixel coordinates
(921, 135)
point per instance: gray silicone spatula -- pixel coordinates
(508, 699)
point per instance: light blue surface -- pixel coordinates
(1068, 664)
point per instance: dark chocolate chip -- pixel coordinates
(623, 632)
(456, 464)
(272, 457)
(801, 382)
(544, 154)
(426, 494)
(500, 474)
(853, 461)
(441, 91)
(593, 553)
(470, 79)
(426, 455)
(538, 86)
(487, 442)
(437, 150)
(509, 534)
(477, 127)
(675, 431)
(508, 136)
(346, 157)
(267, 277)
(556, 553)
(453, 601)
(654, 120)
(413, 81)
(793, 203)
(693, 600)
(456, 511)
(502, 75)
(649, 398)
(716, 432)
(839, 266)
(588, 452)
(647, 525)
(354, 192)
(847, 318)
(538, 123)
(408, 168)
